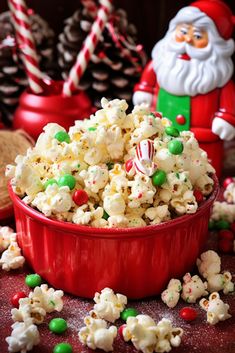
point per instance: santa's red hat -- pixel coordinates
(220, 14)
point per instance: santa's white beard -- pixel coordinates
(208, 68)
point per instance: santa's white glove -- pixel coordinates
(142, 97)
(223, 129)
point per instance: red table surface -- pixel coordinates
(199, 336)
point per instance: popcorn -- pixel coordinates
(216, 309)
(7, 235)
(149, 337)
(167, 336)
(209, 263)
(96, 334)
(209, 266)
(111, 136)
(48, 298)
(171, 295)
(29, 310)
(12, 258)
(109, 305)
(23, 338)
(222, 210)
(229, 194)
(141, 330)
(193, 288)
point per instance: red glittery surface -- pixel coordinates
(199, 337)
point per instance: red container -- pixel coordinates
(35, 111)
(137, 262)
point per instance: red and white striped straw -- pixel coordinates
(26, 43)
(71, 85)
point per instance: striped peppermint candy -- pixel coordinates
(144, 158)
(71, 85)
(26, 43)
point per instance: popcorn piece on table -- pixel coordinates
(141, 330)
(209, 263)
(96, 333)
(220, 281)
(229, 193)
(48, 298)
(29, 309)
(109, 305)
(193, 288)
(7, 235)
(23, 337)
(12, 258)
(216, 309)
(171, 295)
(167, 336)
(222, 210)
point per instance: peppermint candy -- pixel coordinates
(143, 161)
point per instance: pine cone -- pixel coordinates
(12, 75)
(112, 71)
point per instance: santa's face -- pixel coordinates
(192, 59)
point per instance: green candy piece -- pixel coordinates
(49, 182)
(58, 325)
(159, 178)
(175, 147)
(33, 280)
(110, 165)
(92, 128)
(128, 312)
(62, 136)
(105, 215)
(172, 131)
(63, 348)
(67, 180)
(222, 224)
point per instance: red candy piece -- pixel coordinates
(198, 195)
(80, 197)
(120, 330)
(225, 246)
(226, 234)
(129, 165)
(16, 297)
(180, 119)
(157, 114)
(188, 314)
(228, 181)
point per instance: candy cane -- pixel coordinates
(71, 85)
(143, 161)
(26, 43)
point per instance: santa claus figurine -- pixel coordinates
(189, 77)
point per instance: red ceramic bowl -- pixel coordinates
(137, 262)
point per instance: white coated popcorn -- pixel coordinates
(109, 305)
(209, 263)
(149, 337)
(141, 330)
(193, 288)
(96, 334)
(220, 281)
(216, 309)
(7, 235)
(29, 309)
(97, 153)
(24, 337)
(53, 200)
(171, 295)
(229, 194)
(12, 258)
(48, 298)
(222, 210)
(167, 336)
